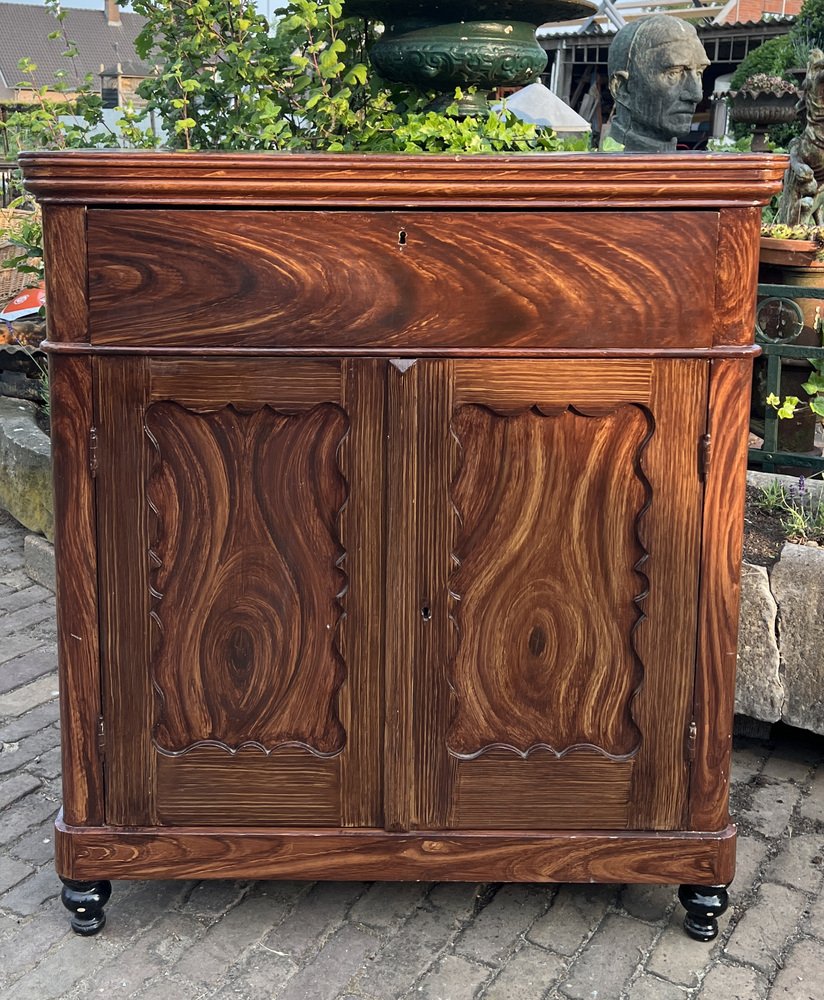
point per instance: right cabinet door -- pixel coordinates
(543, 544)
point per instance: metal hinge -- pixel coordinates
(93, 451)
(704, 456)
(101, 737)
(692, 739)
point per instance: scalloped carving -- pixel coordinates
(549, 585)
(246, 577)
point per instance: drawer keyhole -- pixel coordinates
(402, 238)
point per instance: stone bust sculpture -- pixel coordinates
(655, 67)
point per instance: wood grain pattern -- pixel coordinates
(246, 505)
(293, 384)
(542, 315)
(362, 531)
(479, 353)
(507, 383)
(123, 533)
(736, 276)
(299, 179)
(433, 524)
(64, 248)
(303, 279)
(290, 788)
(666, 643)
(78, 653)
(550, 584)
(373, 854)
(723, 527)
(419, 531)
(583, 791)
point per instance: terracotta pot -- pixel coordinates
(787, 252)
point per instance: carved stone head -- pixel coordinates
(655, 69)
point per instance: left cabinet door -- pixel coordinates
(238, 507)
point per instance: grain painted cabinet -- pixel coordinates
(399, 514)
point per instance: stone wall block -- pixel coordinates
(797, 581)
(759, 691)
(25, 467)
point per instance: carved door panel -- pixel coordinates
(241, 572)
(547, 567)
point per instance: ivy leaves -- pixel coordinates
(224, 80)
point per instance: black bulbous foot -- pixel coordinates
(85, 902)
(704, 905)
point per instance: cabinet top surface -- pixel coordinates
(566, 180)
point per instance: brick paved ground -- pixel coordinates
(296, 941)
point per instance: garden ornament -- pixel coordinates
(655, 67)
(802, 199)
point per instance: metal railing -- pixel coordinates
(776, 350)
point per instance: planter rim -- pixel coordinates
(790, 253)
(774, 243)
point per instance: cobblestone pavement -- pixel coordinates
(296, 941)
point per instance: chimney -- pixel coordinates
(113, 13)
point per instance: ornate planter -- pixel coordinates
(762, 109)
(444, 44)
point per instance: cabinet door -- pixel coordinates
(241, 588)
(543, 563)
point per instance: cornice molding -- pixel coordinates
(342, 180)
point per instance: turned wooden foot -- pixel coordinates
(85, 902)
(704, 905)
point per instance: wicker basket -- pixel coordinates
(12, 282)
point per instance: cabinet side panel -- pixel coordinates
(736, 275)
(667, 639)
(720, 592)
(64, 244)
(361, 630)
(124, 587)
(75, 544)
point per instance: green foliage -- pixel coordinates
(224, 80)
(68, 113)
(801, 513)
(25, 233)
(809, 25)
(787, 408)
(771, 498)
(775, 57)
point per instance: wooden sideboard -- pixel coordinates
(399, 511)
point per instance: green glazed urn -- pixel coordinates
(444, 44)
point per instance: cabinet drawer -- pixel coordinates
(402, 280)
